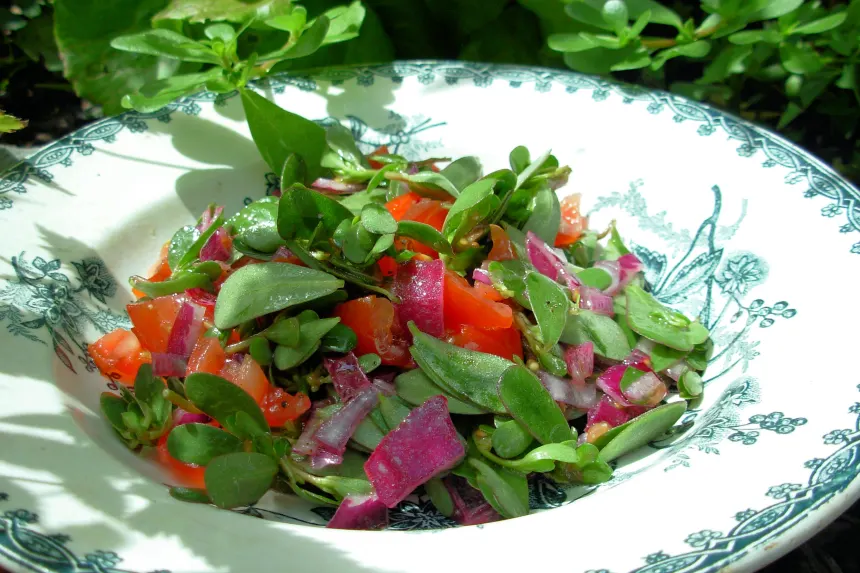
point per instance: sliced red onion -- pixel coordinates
(677, 370)
(645, 346)
(201, 297)
(181, 417)
(613, 269)
(419, 285)
(282, 254)
(306, 444)
(597, 302)
(564, 391)
(216, 246)
(610, 383)
(639, 360)
(630, 265)
(481, 276)
(470, 506)
(424, 445)
(360, 512)
(580, 361)
(347, 376)
(334, 433)
(208, 218)
(547, 262)
(607, 411)
(186, 330)
(166, 364)
(385, 386)
(648, 390)
(336, 187)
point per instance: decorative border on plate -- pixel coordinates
(711, 549)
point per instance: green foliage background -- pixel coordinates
(789, 64)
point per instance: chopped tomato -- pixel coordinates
(118, 355)
(572, 222)
(505, 342)
(153, 319)
(279, 407)
(160, 271)
(388, 266)
(207, 356)
(186, 475)
(381, 150)
(248, 376)
(464, 305)
(376, 327)
(503, 249)
(429, 211)
(487, 292)
(401, 204)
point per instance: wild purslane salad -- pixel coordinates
(381, 326)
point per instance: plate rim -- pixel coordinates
(754, 553)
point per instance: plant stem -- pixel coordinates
(659, 43)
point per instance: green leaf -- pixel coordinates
(579, 42)
(221, 399)
(476, 203)
(662, 357)
(185, 245)
(256, 225)
(508, 277)
(519, 157)
(647, 317)
(376, 219)
(345, 21)
(279, 133)
(690, 385)
(546, 215)
(550, 304)
(37, 40)
(99, 73)
(508, 490)
(440, 497)
(284, 332)
(416, 387)
(168, 44)
(642, 430)
(754, 36)
(511, 439)
(238, 479)
(585, 13)
(155, 95)
(659, 14)
(367, 435)
(199, 443)
(308, 43)
(800, 59)
(526, 174)
(113, 407)
(369, 362)
(822, 24)
(463, 172)
(310, 335)
(469, 375)
(595, 277)
(394, 410)
(301, 211)
(220, 31)
(340, 338)
(426, 235)
(608, 338)
(217, 10)
(10, 123)
(774, 9)
(189, 495)
(341, 141)
(529, 403)
(260, 351)
(257, 290)
(427, 184)
(615, 14)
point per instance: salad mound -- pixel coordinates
(388, 326)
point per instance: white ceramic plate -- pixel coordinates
(733, 223)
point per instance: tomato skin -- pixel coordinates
(428, 211)
(158, 272)
(503, 249)
(186, 475)
(248, 376)
(375, 325)
(387, 266)
(464, 305)
(118, 355)
(280, 407)
(153, 319)
(487, 292)
(573, 223)
(207, 356)
(505, 342)
(401, 204)
(381, 150)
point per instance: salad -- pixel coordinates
(382, 326)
